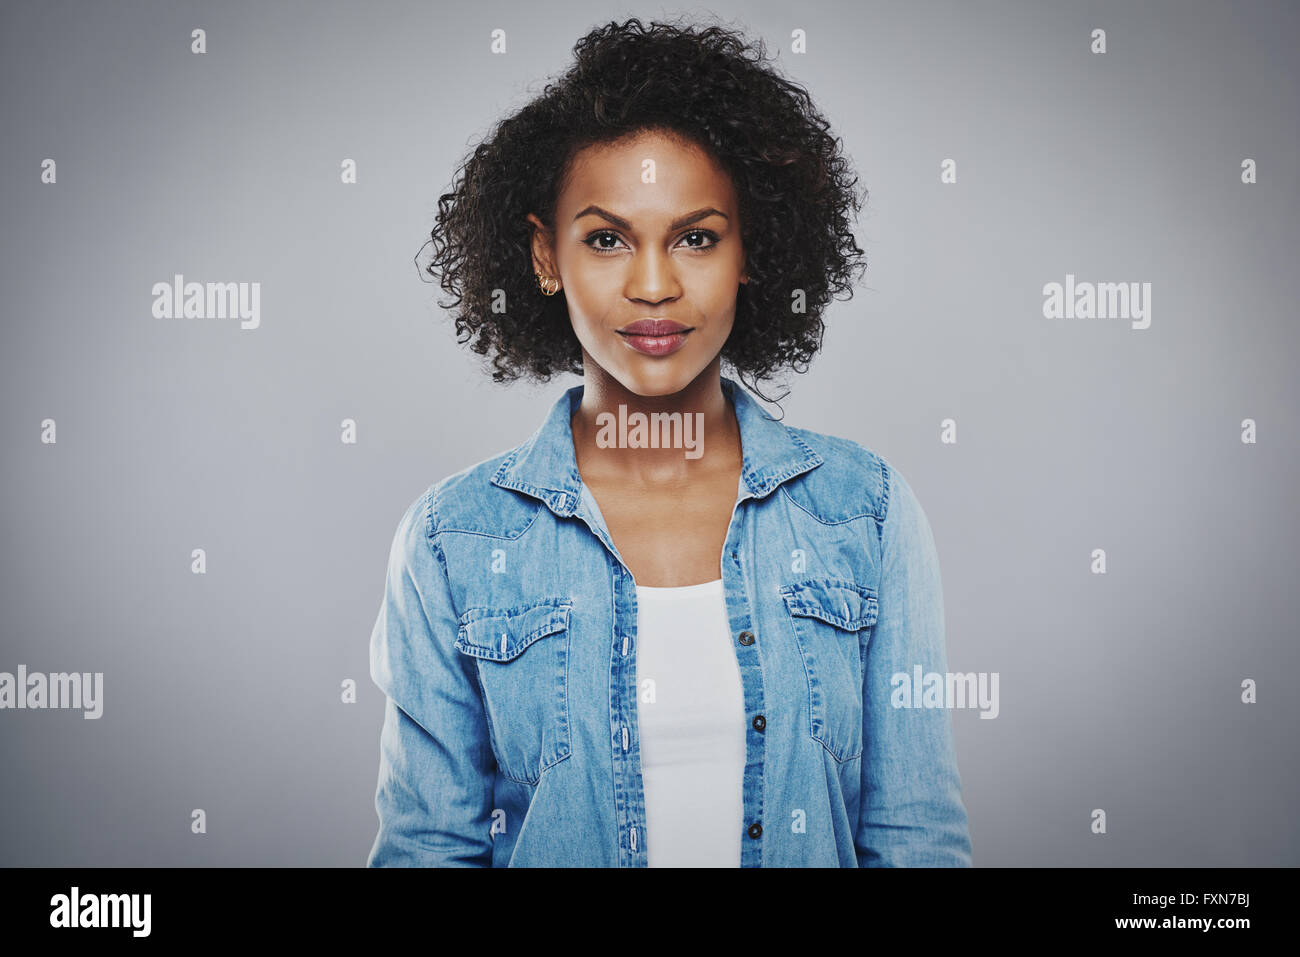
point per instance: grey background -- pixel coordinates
(1118, 691)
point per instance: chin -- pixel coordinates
(665, 378)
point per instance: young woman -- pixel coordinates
(664, 630)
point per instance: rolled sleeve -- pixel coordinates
(436, 771)
(911, 812)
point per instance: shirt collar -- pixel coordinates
(546, 465)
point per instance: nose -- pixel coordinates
(652, 277)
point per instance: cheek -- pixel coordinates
(715, 284)
(585, 303)
(717, 301)
(590, 290)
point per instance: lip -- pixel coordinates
(653, 327)
(657, 345)
(655, 337)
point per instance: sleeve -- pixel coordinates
(911, 811)
(436, 768)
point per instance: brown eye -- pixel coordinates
(704, 234)
(594, 241)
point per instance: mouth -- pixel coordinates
(655, 337)
(654, 327)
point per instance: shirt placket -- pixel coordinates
(629, 795)
(736, 580)
(629, 792)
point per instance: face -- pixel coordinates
(647, 249)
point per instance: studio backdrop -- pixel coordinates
(1076, 337)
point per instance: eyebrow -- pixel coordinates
(622, 223)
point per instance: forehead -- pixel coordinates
(618, 174)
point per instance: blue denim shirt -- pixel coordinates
(506, 644)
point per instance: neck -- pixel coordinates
(703, 434)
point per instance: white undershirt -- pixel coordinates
(692, 727)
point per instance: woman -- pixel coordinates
(662, 631)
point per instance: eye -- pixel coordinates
(692, 239)
(712, 238)
(594, 239)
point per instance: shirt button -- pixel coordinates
(755, 830)
(746, 637)
(759, 722)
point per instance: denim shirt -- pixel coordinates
(506, 644)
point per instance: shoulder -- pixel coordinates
(468, 501)
(853, 480)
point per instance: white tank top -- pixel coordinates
(691, 713)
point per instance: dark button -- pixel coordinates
(755, 831)
(746, 637)
(759, 722)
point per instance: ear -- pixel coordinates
(543, 248)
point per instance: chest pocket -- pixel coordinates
(523, 666)
(832, 620)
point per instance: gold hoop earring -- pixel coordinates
(549, 285)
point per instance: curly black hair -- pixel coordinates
(795, 193)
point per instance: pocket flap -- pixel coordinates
(844, 604)
(502, 634)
